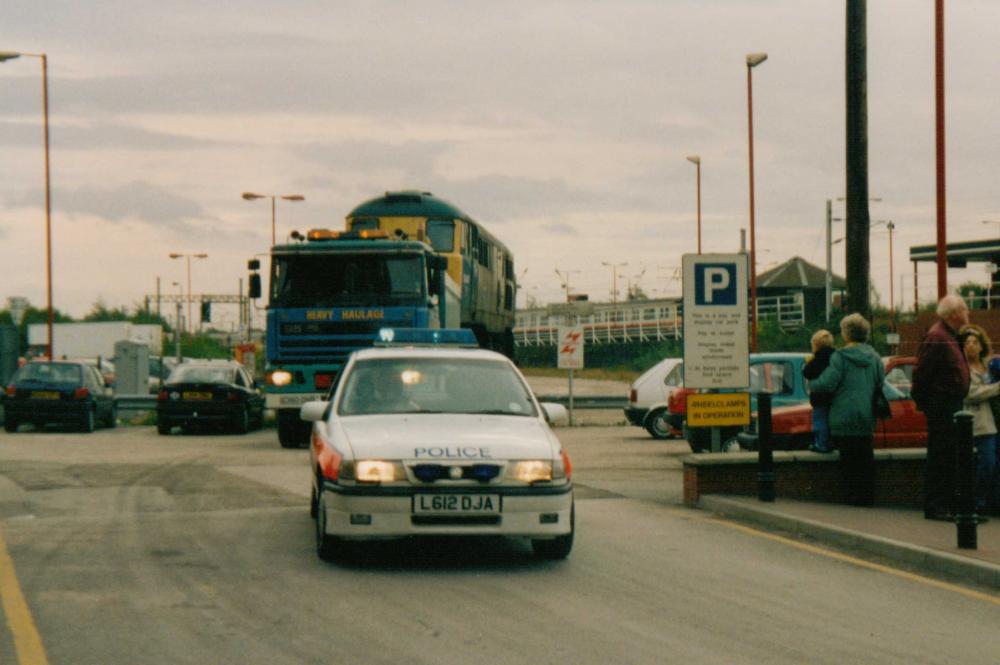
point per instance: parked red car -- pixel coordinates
(677, 407)
(792, 425)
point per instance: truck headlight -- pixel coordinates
(279, 377)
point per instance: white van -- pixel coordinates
(648, 395)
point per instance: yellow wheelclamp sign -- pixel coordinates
(718, 409)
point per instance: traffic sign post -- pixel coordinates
(716, 339)
(570, 356)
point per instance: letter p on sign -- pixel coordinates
(715, 284)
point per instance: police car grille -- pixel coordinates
(429, 473)
(455, 520)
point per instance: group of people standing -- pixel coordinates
(952, 373)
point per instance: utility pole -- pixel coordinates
(857, 244)
(829, 256)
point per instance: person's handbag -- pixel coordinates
(880, 405)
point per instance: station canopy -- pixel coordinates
(960, 254)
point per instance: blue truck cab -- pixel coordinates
(329, 294)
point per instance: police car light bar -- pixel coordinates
(454, 337)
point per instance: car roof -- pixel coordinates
(210, 363)
(426, 352)
(778, 355)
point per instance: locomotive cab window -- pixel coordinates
(441, 234)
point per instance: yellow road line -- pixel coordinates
(860, 562)
(27, 641)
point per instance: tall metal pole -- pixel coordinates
(858, 259)
(892, 300)
(189, 319)
(698, 177)
(753, 233)
(753, 60)
(829, 256)
(48, 198)
(272, 221)
(942, 240)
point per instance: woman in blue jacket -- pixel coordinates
(855, 372)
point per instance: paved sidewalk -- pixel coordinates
(899, 535)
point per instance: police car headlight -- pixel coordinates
(378, 471)
(280, 377)
(530, 471)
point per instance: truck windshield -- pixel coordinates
(328, 280)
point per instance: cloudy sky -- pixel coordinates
(562, 125)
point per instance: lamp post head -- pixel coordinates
(250, 196)
(8, 55)
(292, 197)
(200, 256)
(175, 255)
(694, 159)
(754, 59)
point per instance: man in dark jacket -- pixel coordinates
(940, 383)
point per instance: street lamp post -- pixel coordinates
(250, 196)
(829, 249)
(175, 255)
(177, 327)
(753, 59)
(10, 55)
(614, 286)
(892, 299)
(565, 280)
(696, 160)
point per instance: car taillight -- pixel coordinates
(162, 396)
(232, 395)
(81, 393)
(633, 396)
(11, 390)
(323, 381)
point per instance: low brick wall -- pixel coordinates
(899, 476)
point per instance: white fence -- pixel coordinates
(635, 321)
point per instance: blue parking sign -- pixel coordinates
(715, 284)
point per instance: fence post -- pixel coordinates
(965, 482)
(765, 456)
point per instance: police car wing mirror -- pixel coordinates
(312, 412)
(555, 414)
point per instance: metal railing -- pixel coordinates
(632, 323)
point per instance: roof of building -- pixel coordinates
(797, 273)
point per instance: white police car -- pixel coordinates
(437, 441)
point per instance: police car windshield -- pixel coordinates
(331, 279)
(434, 385)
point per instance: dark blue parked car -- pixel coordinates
(58, 393)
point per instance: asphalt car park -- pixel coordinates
(61, 393)
(437, 442)
(204, 395)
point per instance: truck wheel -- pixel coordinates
(656, 424)
(10, 425)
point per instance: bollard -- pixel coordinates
(765, 456)
(965, 482)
